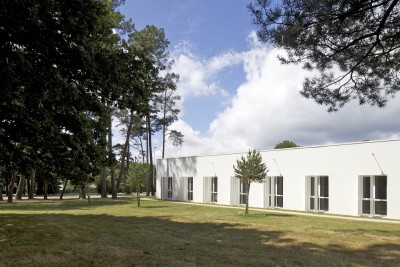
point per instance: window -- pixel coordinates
(318, 193)
(214, 189)
(169, 188)
(374, 195)
(243, 193)
(190, 188)
(275, 191)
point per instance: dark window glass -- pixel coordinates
(324, 186)
(279, 183)
(366, 187)
(311, 203)
(324, 204)
(380, 207)
(279, 201)
(366, 206)
(312, 185)
(380, 187)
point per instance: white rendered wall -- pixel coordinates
(343, 164)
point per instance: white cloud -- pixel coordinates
(267, 107)
(198, 76)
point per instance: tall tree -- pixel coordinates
(150, 45)
(354, 45)
(250, 169)
(59, 68)
(166, 103)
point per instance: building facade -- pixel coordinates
(357, 179)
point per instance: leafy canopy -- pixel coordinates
(251, 168)
(353, 46)
(286, 144)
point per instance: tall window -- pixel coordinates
(318, 193)
(169, 188)
(374, 195)
(243, 193)
(214, 189)
(190, 188)
(275, 191)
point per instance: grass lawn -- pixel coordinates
(117, 233)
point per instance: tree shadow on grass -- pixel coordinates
(104, 240)
(61, 205)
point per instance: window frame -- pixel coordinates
(214, 189)
(169, 188)
(190, 188)
(272, 191)
(372, 199)
(315, 196)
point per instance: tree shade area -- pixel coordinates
(352, 45)
(65, 72)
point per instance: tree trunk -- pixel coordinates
(1, 193)
(11, 187)
(138, 193)
(104, 183)
(32, 187)
(20, 188)
(45, 190)
(82, 192)
(247, 198)
(63, 189)
(164, 122)
(124, 151)
(113, 182)
(150, 153)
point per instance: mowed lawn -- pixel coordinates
(160, 233)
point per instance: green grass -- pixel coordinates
(117, 233)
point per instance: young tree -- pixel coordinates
(250, 169)
(285, 144)
(136, 174)
(354, 45)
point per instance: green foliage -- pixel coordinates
(354, 45)
(61, 66)
(251, 168)
(286, 144)
(136, 175)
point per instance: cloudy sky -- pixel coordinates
(235, 93)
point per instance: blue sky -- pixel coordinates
(235, 93)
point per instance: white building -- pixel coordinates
(349, 179)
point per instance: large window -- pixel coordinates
(374, 195)
(190, 188)
(243, 193)
(169, 188)
(318, 193)
(214, 189)
(275, 191)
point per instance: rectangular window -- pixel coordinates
(318, 193)
(374, 195)
(243, 193)
(190, 188)
(169, 188)
(214, 189)
(275, 191)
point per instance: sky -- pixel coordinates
(235, 93)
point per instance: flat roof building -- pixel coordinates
(357, 179)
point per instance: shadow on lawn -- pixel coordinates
(155, 241)
(61, 205)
